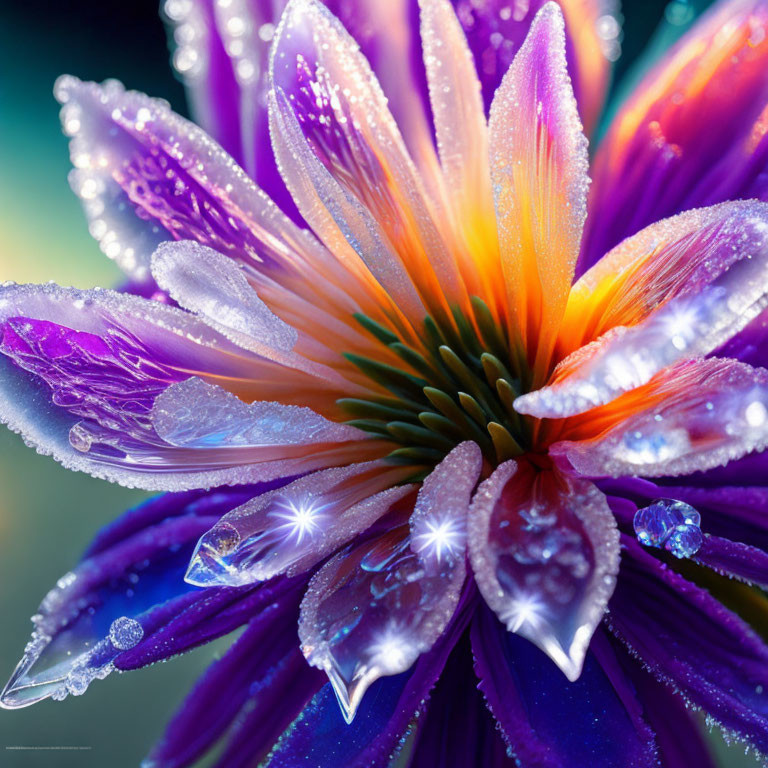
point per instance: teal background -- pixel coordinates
(48, 515)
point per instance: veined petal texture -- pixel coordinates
(373, 609)
(544, 548)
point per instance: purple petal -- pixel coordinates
(457, 730)
(544, 550)
(319, 737)
(112, 604)
(81, 371)
(251, 674)
(656, 160)
(698, 414)
(548, 722)
(689, 640)
(733, 558)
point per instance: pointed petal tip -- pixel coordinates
(349, 694)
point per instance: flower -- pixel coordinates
(406, 428)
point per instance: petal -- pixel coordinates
(252, 674)
(539, 173)
(147, 175)
(550, 723)
(116, 601)
(320, 737)
(689, 640)
(545, 553)
(373, 610)
(202, 61)
(342, 119)
(732, 558)
(657, 159)
(84, 391)
(682, 286)
(292, 529)
(697, 415)
(457, 730)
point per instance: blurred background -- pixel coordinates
(48, 515)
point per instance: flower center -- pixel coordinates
(459, 386)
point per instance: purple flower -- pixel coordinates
(440, 408)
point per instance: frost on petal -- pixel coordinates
(539, 172)
(373, 609)
(341, 112)
(291, 529)
(207, 283)
(146, 175)
(678, 289)
(82, 370)
(695, 416)
(108, 604)
(544, 549)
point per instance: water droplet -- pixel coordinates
(125, 633)
(669, 524)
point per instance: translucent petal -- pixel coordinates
(545, 552)
(371, 610)
(684, 286)
(345, 122)
(291, 529)
(539, 172)
(695, 416)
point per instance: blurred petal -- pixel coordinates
(342, 119)
(258, 671)
(697, 415)
(550, 723)
(293, 528)
(689, 640)
(657, 158)
(321, 738)
(116, 601)
(373, 610)
(677, 290)
(539, 172)
(544, 550)
(84, 391)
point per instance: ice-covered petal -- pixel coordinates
(320, 737)
(692, 642)
(295, 527)
(676, 290)
(697, 415)
(549, 722)
(373, 609)
(118, 598)
(544, 549)
(656, 160)
(81, 371)
(342, 119)
(539, 171)
(213, 286)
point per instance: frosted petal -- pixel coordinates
(293, 528)
(194, 414)
(684, 286)
(699, 414)
(213, 286)
(371, 610)
(539, 172)
(319, 73)
(545, 552)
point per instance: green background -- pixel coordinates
(48, 515)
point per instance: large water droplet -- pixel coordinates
(669, 524)
(125, 633)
